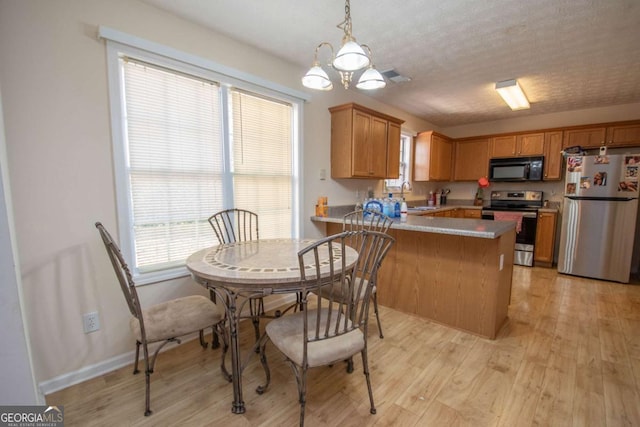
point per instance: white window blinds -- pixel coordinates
(262, 161)
(174, 138)
(181, 167)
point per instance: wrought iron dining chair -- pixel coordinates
(239, 225)
(372, 221)
(330, 328)
(164, 322)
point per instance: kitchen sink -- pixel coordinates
(422, 208)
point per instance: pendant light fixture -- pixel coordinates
(351, 57)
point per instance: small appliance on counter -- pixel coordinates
(522, 207)
(599, 216)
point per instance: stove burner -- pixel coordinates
(527, 201)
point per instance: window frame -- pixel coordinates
(119, 45)
(395, 185)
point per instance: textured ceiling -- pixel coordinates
(566, 54)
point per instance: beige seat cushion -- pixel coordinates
(177, 317)
(336, 288)
(287, 334)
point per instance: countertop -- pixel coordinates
(441, 225)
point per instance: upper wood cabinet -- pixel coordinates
(432, 157)
(552, 156)
(393, 151)
(503, 146)
(361, 141)
(618, 135)
(517, 145)
(471, 159)
(623, 135)
(530, 144)
(591, 137)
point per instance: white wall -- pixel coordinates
(16, 372)
(54, 80)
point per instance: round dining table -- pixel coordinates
(252, 269)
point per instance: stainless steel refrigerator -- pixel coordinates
(599, 216)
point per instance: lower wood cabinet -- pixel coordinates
(545, 238)
(471, 213)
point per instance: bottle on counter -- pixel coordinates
(386, 207)
(403, 210)
(396, 208)
(438, 195)
(430, 199)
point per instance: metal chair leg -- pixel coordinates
(263, 360)
(301, 380)
(365, 366)
(374, 295)
(148, 370)
(135, 362)
(203, 343)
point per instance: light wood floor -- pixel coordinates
(570, 355)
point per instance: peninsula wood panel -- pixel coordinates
(453, 280)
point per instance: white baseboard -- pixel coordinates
(86, 373)
(92, 371)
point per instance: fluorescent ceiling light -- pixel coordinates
(512, 94)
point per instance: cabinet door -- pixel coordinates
(586, 138)
(378, 148)
(471, 159)
(360, 146)
(473, 213)
(341, 137)
(503, 146)
(441, 156)
(421, 156)
(552, 156)
(531, 144)
(623, 136)
(393, 151)
(545, 237)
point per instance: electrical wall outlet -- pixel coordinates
(91, 322)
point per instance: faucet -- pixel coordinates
(406, 184)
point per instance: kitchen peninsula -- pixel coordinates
(453, 271)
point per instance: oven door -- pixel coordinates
(525, 238)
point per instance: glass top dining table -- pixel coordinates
(253, 269)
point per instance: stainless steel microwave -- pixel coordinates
(516, 169)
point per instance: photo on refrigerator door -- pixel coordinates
(571, 188)
(600, 179)
(601, 160)
(631, 186)
(631, 172)
(574, 164)
(585, 182)
(629, 180)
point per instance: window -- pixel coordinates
(188, 144)
(395, 185)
